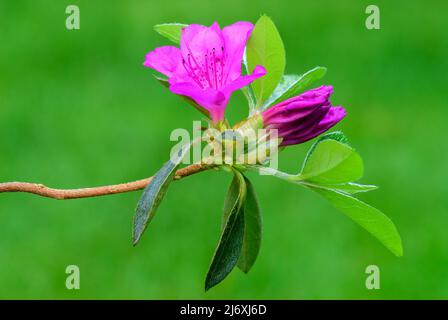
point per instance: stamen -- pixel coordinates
(206, 68)
(214, 68)
(191, 72)
(200, 75)
(207, 72)
(222, 65)
(224, 76)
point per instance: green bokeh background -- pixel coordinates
(77, 108)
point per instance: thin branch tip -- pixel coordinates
(63, 194)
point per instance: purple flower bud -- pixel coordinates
(303, 117)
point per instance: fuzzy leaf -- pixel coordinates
(231, 198)
(231, 240)
(252, 230)
(153, 195)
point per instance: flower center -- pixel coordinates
(207, 70)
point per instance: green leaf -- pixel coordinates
(247, 90)
(265, 48)
(335, 165)
(153, 195)
(231, 240)
(292, 85)
(252, 230)
(335, 135)
(349, 188)
(190, 101)
(231, 199)
(332, 162)
(171, 31)
(371, 219)
(267, 171)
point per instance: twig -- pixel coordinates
(61, 194)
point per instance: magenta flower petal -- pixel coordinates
(243, 81)
(304, 125)
(308, 130)
(298, 107)
(304, 117)
(334, 115)
(214, 101)
(215, 26)
(165, 60)
(199, 43)
(235, 38)
(207, 68)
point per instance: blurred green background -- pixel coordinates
(77, 109)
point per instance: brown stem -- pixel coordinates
(61, 194)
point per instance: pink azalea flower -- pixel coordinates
(207, 67)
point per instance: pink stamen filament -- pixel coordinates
(209, 74)
(191, 71)
(214, 67)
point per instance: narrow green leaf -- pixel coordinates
(153, 195)
(252, 230)
(171, 31)
(231, 199)
(371, 219)
(265, 48)
(332, 162)
(231, 240)
(286, 82)
(190, 101)
(292, 85)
